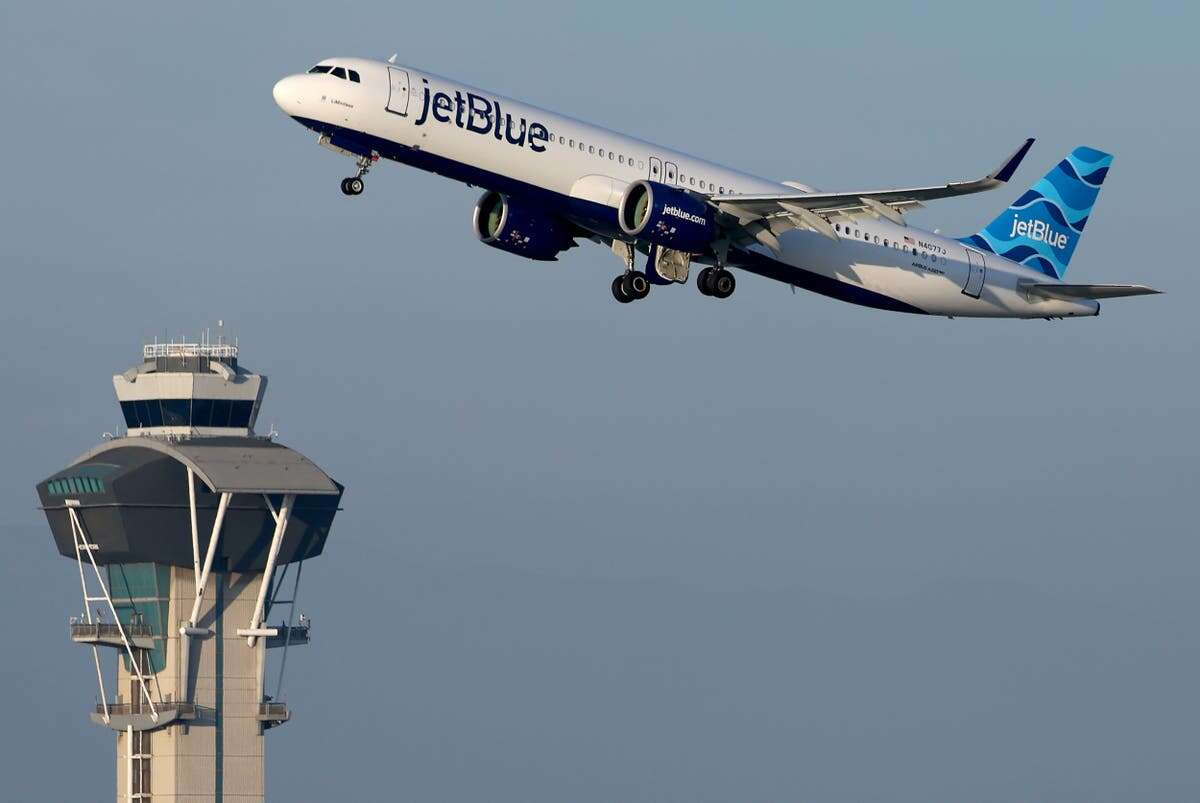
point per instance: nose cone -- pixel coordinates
(287, 94)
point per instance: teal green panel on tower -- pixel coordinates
(141, 593)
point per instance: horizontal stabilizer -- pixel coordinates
(1072, 292)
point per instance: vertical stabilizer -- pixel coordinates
(1043, 226)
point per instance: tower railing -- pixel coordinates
(180, 707)
(99, 630)
(220, 351)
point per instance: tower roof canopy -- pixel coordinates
(235, 465)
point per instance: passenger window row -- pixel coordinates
(336, 72)
(612, 156)
(708, 186)
(621, 158)
(867, 237)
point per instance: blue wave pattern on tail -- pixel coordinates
(1043, 226)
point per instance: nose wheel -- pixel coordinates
(354, 185)
(716, 282)
(630, 286)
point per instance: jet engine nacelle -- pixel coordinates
(667, 217)
(521, 228)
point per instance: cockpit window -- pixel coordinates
(339, 72)
(353, 76)
(321, 68)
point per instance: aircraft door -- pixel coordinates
(656, 171)
(671, 173)
(976, 274)
(397, 91)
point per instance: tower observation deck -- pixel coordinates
(190, 533)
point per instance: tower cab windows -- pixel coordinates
(187, 413)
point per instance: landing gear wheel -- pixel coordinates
(354, 184)
(618, 290)
(723, 284)
(704, 281)
(635, 285)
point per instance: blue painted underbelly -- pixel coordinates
(593, 217)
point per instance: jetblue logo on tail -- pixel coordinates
(1038, 230)
(1042, 227)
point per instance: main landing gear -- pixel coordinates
(716, 282)
(354, 185)
(630, 286)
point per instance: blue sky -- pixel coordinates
(772, 548)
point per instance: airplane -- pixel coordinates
(550, 180)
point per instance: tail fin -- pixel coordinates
(1043, 226)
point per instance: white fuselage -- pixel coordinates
(440, 125)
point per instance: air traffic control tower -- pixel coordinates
(189, 534)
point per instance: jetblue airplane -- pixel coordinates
(550, 180)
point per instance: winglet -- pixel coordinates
(1010, 165)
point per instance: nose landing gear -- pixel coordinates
(354, 185)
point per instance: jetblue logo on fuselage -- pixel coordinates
(675, 211)
(480, 115)
(1038, 230)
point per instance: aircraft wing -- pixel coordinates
(762, 217)
(1092, 291)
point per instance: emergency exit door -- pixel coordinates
(656, 172)
(976, 274)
